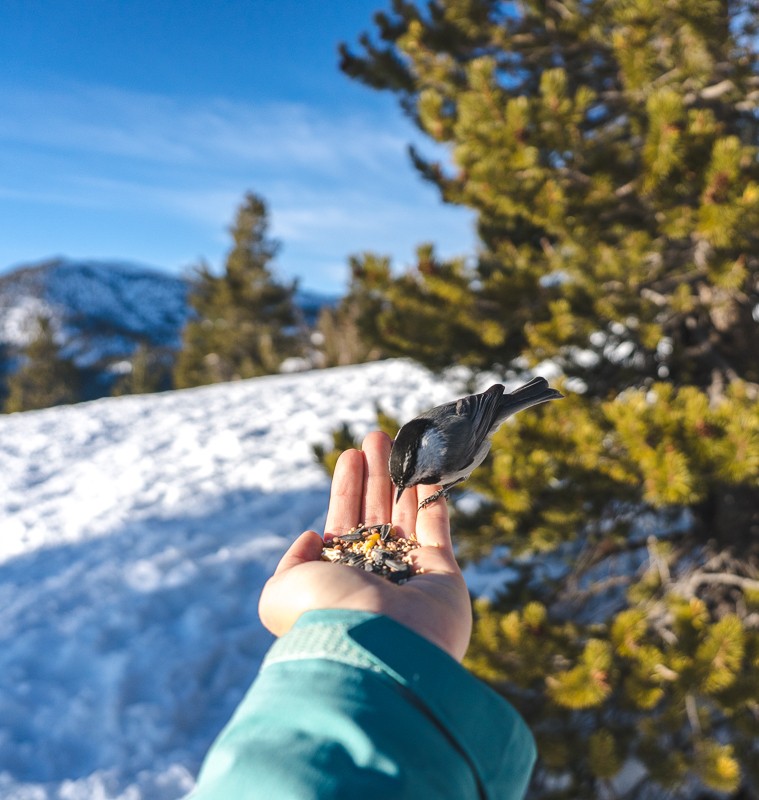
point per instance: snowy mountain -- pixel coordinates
(103, 310)
(135, 536)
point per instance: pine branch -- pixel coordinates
(688, 587)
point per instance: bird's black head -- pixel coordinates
(404, 455)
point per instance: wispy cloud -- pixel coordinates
(335, 184)
(168, 130)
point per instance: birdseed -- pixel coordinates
(374, 548)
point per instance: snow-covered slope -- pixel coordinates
(135, 536)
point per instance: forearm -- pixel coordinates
(354, 705)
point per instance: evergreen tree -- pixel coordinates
(245, 321)
(5, 369)
(346, 334)
(609, 151)
(46, 378)
(150, 371)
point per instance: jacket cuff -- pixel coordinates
(479, 722)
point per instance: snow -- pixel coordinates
(18, 324)
(135, 536)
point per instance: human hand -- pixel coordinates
(435, 603)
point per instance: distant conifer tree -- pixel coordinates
(609, 150)
(345, 333)
(5, 369)
(245, 321)
(46, 378)
(149, 371)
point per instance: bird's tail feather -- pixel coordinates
(531, 394)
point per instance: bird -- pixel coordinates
(447, 443)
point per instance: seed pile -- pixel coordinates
(374, 548)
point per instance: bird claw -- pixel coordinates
(432, 498)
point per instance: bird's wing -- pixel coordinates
(481, 412)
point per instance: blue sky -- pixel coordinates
(131, 129)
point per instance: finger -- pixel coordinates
(346, 493)
(307, 547)
(378, 487)
(434, 560)
(433, 526)
(405, 511)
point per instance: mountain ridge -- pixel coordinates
(102, 310)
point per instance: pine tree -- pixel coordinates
(245, 321)
(46, 377)
(609, 151)
(5, 370)
(149, 371)
(427, 315)
(347, 334)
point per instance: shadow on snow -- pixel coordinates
(130, 651)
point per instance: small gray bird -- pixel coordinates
(447, 443)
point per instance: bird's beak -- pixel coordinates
(399, 493)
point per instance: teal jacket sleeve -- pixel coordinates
(354, 705)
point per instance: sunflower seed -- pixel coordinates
(353, 536)
(374, 548)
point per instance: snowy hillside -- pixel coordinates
(102, 308)
(135, 536)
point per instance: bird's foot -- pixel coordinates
(431, 499)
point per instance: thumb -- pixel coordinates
(307, 547)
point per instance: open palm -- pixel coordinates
(434, 603)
